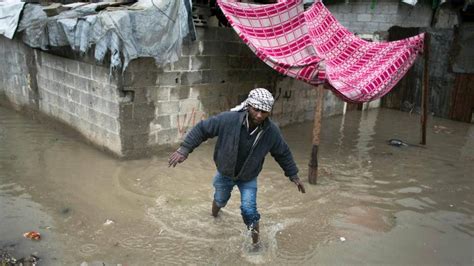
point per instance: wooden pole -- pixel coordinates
(318, 114)
(425, 91)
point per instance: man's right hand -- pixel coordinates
(175, 158)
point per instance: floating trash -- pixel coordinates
(108, 222)
(32, 235)
(396, 143)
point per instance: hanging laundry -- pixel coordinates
(314, 47)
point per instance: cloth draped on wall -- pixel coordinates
(145, 29)
(9, 16)
(314, 47)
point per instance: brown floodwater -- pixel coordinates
(374, 204)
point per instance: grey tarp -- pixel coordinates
(9, 16)
(144, 30)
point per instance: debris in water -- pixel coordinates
(451, 205)
(396, 143)
(6, 258)
(342, 238)
(31, 260)
(32, 235)
(108, 222)
(442, 129)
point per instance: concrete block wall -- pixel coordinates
(133, 113)
(363, 17)
(15, 78)
(78, 94)
(81, 95)
(213, 74)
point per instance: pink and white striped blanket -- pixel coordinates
(314, 47)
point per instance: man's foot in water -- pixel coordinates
(255, 234)
(215, 208)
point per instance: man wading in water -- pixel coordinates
(245, 136)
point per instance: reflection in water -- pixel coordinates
(376, 196)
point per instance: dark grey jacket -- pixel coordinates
(227, 127)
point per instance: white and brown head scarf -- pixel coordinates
(259, 98)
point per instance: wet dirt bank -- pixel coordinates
(391, 205)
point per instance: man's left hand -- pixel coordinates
(299, 184)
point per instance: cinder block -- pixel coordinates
(58, 76)
(68, 79)
(380, 18)
(143, 112)
(94, 101)
(103, 75)
(188, 106)
(85, 70)
(70, 106)
(168, 136)
(168, 79)
(138, 79)
(179, 92)
(92, 116)
(236, 62)
(181, 64)
(166, 108)
(126, 112)
(74, 95)
(156, 94)
(360, 8)
(61, 102)
(146, 64)
(200, 62)
(373, 26)
(212, 48)
(226, 35)
(344, 8)
(390, 8)
(113, 109)
(190, 49)
(160, 123)
(364, 17)
(232, 48)
(110, 92)
(208, 34)
(140, 141)
(191, 78)
(109, 123)
(219, 62)
(94, 88)
(139, 94)
(221, 76)
(71, 66)
(245, 51)
(134, 127)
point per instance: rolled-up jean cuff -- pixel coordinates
(251, 221)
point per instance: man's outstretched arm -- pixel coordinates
(204, 130)
(282, 154)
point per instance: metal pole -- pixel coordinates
(425, 91)
(318, 113)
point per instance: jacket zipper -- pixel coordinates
(259, 136)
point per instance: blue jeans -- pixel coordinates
(248, 196)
